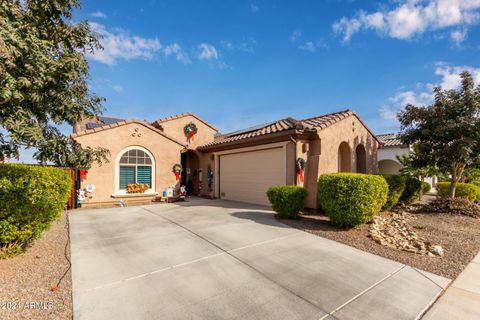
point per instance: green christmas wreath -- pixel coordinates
(300, 164)
(190, 131)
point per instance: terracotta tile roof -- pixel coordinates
(390, 140)
(122, 123)
(326, 120)
(310, 124)
(158, 123)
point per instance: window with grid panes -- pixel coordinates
(135, 167)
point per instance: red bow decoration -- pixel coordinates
(300, 174)
(190, 136)
(177, 169)
(83, 171)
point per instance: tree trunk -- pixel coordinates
(453, 187)
(456, 171)
(422, 178)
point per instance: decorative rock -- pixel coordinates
(394, 231)
(437, 250)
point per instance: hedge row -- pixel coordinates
(464, 190)
(350, 199)
(396, 187)
(412, 191)
(31, 197)
(287, 201)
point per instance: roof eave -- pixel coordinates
(266, 138)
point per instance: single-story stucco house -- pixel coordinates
(238, 166)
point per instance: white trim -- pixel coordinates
(123, 194)
(275, 145)
(116, 189)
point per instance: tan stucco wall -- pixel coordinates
(174, 128)
(322, 156)
(165, 152)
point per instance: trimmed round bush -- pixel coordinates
(396, 186)
(426, 187)
(350, 199)
(287, 201)
(31, 197)
(477, 184)
(464, 190)
(413, 187)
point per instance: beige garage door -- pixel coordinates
(246, 176)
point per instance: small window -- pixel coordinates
(135, 167)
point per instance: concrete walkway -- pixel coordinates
(223, 260)
(462, 299)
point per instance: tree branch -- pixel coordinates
(5, 101)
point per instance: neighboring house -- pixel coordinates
(392, 148)
(388, 152)
(238, 166)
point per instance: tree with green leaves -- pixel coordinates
(43, 81)
(446, 134)
(412, 165)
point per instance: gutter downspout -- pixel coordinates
(294, 159)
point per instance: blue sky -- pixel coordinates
(240, 63)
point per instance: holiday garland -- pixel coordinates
(300, 166)
(190, 131)
(177, 169)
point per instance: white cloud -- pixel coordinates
(246, 45)
(98, 14)
(207, 52)
(308, 46)
(119, 45)
(411, 18)
(117, 88)
(396, 103)
(311, 46)
(176, 50)
(422, 94)
(458, 36)
(451, 75)
(295, 35)
(254, 8)
(347, 27)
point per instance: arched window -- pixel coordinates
(135, 166)
(361, 159)
(344, 161)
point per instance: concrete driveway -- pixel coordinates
(207, 259)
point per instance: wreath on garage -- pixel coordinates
(300, 166)
(190, 131)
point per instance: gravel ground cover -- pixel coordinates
(26, 281)
(458, 235)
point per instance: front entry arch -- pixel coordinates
(344, 158)
(361, 159)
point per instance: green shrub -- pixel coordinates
(31, 197)
(396, 186)
(413, 187)
(350, 199)
(477, 184)
(426, 187)
(287, 201)
(464, 190)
